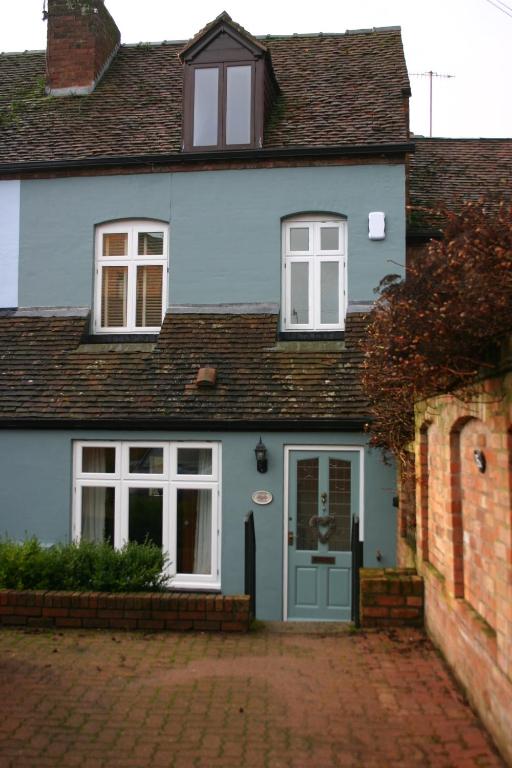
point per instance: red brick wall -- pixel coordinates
(464, 552)
(155, 611)
(390, 597)
(81, 37)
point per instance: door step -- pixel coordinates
(309, 627)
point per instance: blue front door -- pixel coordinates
(323, 500)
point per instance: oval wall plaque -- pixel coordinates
(262, 497)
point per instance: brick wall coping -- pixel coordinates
(391, 597)
(157, 611)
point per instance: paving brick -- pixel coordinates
(257, 700)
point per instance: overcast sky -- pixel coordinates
(469, 39)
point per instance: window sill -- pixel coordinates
(121, 338)
(311, 336)
(194, 587)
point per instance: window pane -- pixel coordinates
(149, 296)
(238, 105)
(113, 296)
(194, 530)
(194, 461)
(339, 504)
(150, 244)
(98, 459)
(329, 292)
(299, 293)
(98, 514)
(145, 507)
(206, 107)
(115, 244)
(146, 461)
(329, 238)
(307, 503)
(299, 239)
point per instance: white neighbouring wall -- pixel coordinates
(9, 242)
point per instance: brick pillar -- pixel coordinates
(81, 41)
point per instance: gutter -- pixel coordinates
(189, 425)
(209, 157)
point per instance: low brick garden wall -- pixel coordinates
(391, 597)
(145, 611)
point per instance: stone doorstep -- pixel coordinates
(308, 627)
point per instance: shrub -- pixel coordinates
(82, 566)
(440, 328)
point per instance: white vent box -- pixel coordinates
(377, 225)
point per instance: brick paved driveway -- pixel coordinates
(215, 701)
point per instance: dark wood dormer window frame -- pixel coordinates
(227, 83)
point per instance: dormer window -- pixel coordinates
(223, 106)
(228, 80)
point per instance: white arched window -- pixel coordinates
(131, 276)
(314, 273)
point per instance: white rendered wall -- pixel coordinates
(9, 242)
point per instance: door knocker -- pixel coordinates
(325, 521)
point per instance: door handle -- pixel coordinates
(290, 538)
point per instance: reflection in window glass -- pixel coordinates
(114, 295)
(299, 239)
(194, 530)
(194, 461)
(329, 292)
(206, 107)
(329, 238)
(146, 461)
(339, 503)
(115, 244)
(307, 503)
(97, 514)
(238, 105)
(150, 244)
(145, 506)
(98, 459)
(299, 293)
(148, 308)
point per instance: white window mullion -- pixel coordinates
(172, 534)
(121, 516)
(315, 293)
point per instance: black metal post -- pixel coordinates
(356, 547)
(250, 561)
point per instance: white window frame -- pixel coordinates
(314, 257)
(170, 483)
(132, 227)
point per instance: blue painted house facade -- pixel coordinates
(190, 238)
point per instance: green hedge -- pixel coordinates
(81, 566)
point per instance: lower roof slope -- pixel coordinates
(49, 373)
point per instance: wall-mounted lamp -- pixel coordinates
(480, 460)
(261, 457)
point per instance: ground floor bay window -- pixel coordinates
(164, 492)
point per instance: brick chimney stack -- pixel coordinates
(82, 41)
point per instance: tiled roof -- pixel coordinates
(445, 172)
(335, 90)
(47, 371)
